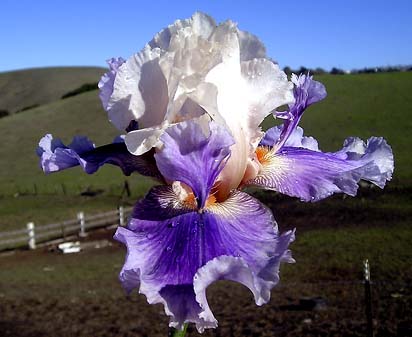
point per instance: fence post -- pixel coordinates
(32, 237)
(82, 222)
(121, 216)
(368, 298)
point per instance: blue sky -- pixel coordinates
(347, 34)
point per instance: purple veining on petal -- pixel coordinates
(260, 282)
(312, 175)
(192, 157)
(167, 244)
(55, 156)
(306, 92)
(107, 81)
(181, 304)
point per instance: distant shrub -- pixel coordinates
(303, 70)
(4, 113)
(288, 70)
(318, 71)
(84, 88)
(383, 69)
(336, 71)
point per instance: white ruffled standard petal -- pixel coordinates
(246, 93)
(139, 91)
(201, 24)
(250, 46)
(141, 141)
(266, 88)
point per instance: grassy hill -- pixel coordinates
(33, 87)
(365, 105)
(26, 192)
(357, 105)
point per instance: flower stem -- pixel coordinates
(177, 332)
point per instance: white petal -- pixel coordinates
(250, 46)
(139, 87)
(267, 88)
(141, 141)
(200, 23)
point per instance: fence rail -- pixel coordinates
(34, 234)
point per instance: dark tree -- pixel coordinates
(337, 71)
(84, 88)
(4, 113)
(288, 70)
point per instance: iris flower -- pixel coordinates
(191, 103)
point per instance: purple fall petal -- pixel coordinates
(192, 157)
(167, 244)
(312, 175)
(55, 156)
(260, 282)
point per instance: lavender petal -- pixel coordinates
(236, 269)
(107, 81)
(312, 175)
(169, 243)
(55, 156)
(306, 92)
(295, 139)
(192, 157)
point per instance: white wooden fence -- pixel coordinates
(34, 234)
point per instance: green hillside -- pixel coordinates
(365, 105)
(33, 87)
(20, 134)
(27, 194)
(357, 105)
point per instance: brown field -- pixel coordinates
(45, 293)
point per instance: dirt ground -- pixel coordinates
(93, 303)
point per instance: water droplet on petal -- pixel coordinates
(168, 248)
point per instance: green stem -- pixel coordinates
(177, 332)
